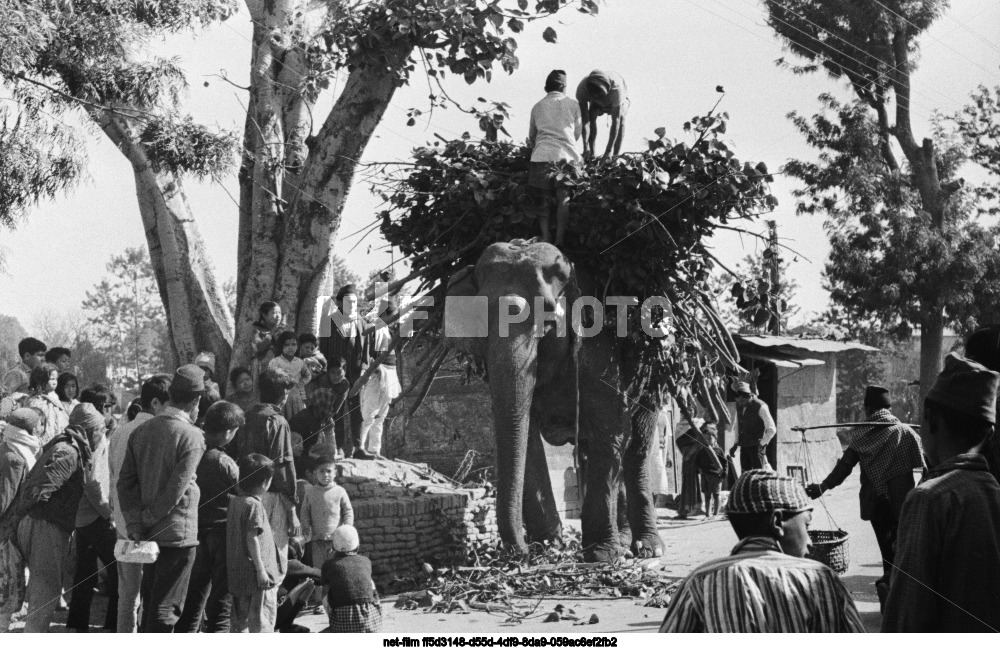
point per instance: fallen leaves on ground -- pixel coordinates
(497, 581)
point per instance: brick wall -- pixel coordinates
(407, 515)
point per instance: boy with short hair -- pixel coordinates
(217, 477)
(32, 353)
(712, 464)
(254, 564)
(61, 357)
(325, 506)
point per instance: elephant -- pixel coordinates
(558, 386)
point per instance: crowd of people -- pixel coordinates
(939, 539)
(200, 514)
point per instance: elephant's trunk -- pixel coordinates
(512, 364)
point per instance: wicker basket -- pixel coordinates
(830, 548)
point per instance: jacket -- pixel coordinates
(157, 487)
(54, 486)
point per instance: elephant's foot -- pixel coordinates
(609, 552)
(551, 538)
(625, 537)
(648, 545)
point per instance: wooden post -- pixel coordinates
(774, 271)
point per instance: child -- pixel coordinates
(240, 388)
(712, 464)
(310, 355)
(325, 506)
(286, 347)
(351, 595)
(253, 561)
(217, 478)
(337, 378)
(265, 330)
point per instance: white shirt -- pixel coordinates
(769, 429)
(117, 447)
(554, 129)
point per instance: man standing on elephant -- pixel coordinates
(602, 93)
(552, 134)
(347, 340)
(755, 429)
(888, 452)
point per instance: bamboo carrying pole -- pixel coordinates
(805, 429)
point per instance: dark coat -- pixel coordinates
(54, 486)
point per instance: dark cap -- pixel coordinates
(189, 377)
(966, 387)
(877, 397)
(555, 81)
(983, 347)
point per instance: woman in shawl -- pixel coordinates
(19, 449)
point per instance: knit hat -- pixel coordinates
(189, 377)
(966, 387)
(983, 347)
(85, 415)
(345, 538)
(743, 387)
(555, 80)
(877, 397)
(24, 418)
(206, 360)
(762, 491)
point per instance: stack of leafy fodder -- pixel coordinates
(639, 226)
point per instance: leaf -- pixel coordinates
(720, 89)
(411, 122)
(515, 25)
(549, 35)
(660, 132)
(522, 4)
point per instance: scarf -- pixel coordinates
(886, 451)
(26, 444)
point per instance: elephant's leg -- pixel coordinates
(541, 518)
(621, 513)
(646, 541)
(599, 515)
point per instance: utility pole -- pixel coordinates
(774, 273)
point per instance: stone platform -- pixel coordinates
(407, 514)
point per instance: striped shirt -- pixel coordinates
(759, 589)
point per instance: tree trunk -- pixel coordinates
(198, 318)
(292, 193)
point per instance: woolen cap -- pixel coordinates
(877, 397)
(743, 387)
(24, 418)
(762, 491)
(556, 78)
(345, 538)
(189, 377)
(966, 387)
(983, 347)
(85, 415)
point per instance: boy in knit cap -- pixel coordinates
(888, 454)
(159, 497)
(766, 585)
(948, 551)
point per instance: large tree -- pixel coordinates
(296, 167)
(904, 245)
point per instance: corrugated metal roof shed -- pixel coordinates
(805, 344)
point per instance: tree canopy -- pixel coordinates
(638, 227)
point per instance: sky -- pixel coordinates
(672, 54)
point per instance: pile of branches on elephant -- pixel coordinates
(639, 225)
(499, 582)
